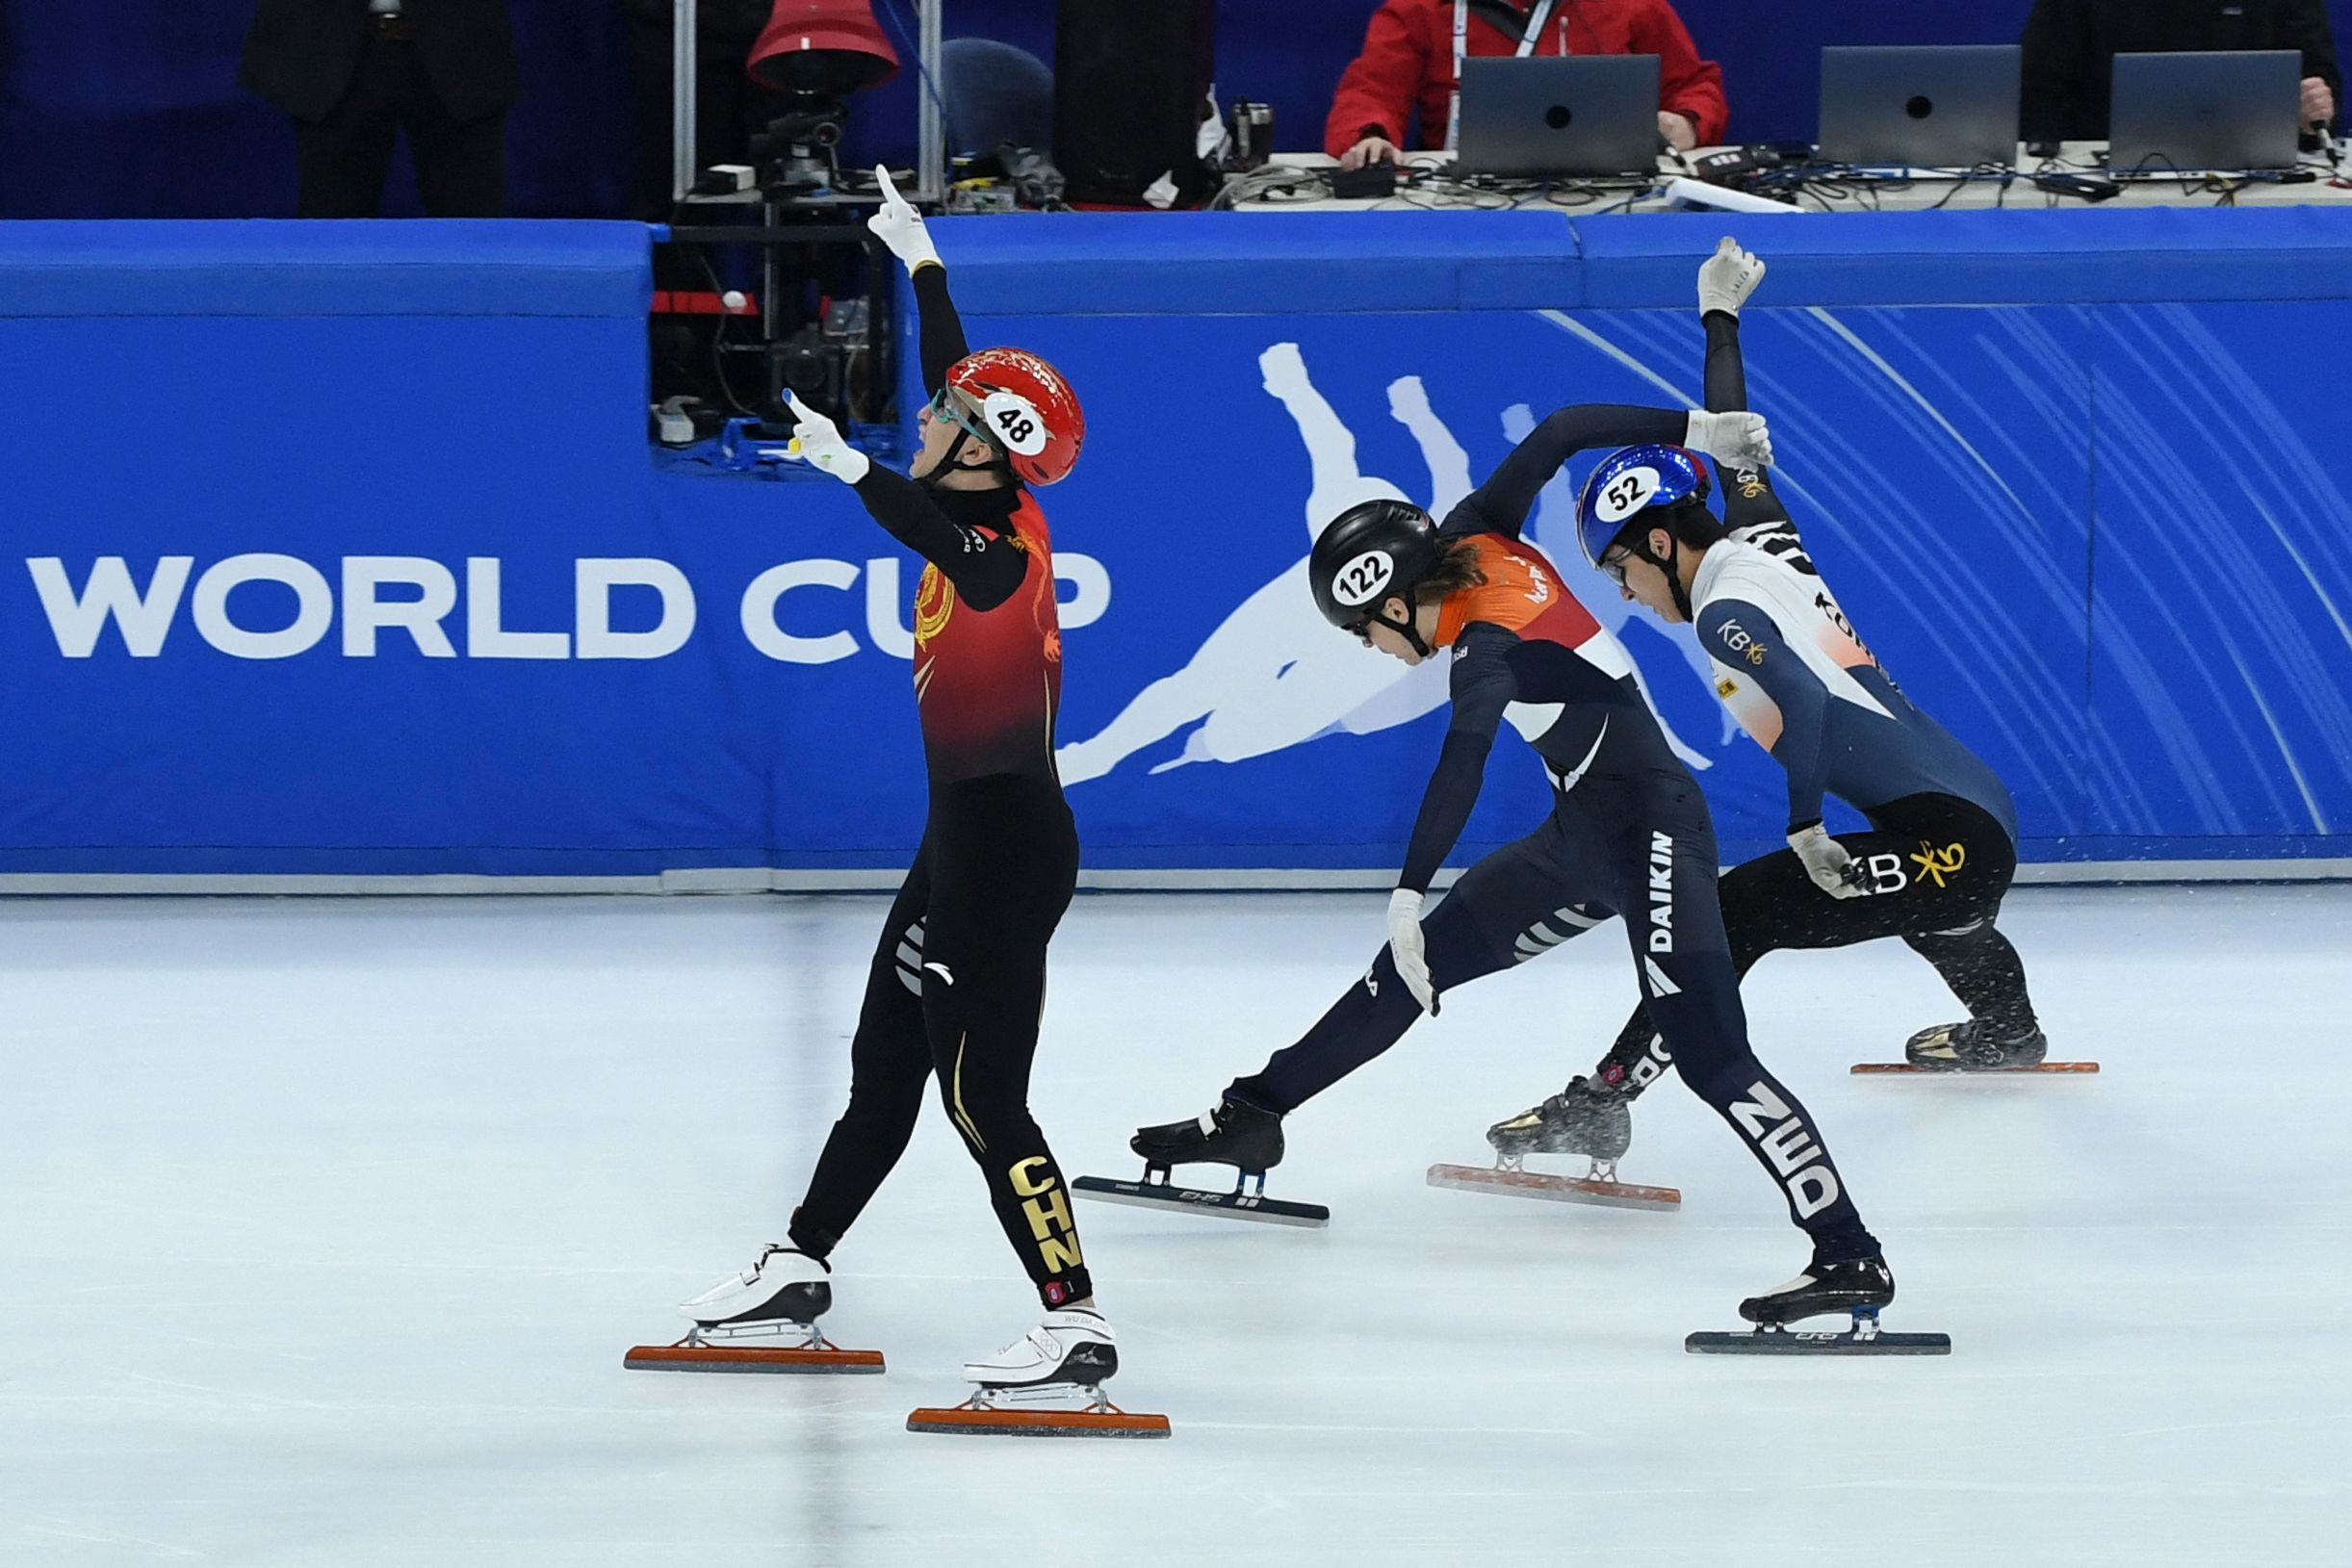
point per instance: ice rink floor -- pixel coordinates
(325, 1224)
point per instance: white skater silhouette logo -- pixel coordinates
(1273, 675)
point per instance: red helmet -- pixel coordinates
(1027, 409)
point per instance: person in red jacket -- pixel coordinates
(1410, 54)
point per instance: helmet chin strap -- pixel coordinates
(1409, 628)
(947, 464)
(1641, 551)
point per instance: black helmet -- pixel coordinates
(1367, 552)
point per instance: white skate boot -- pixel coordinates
(1046, 1383)
(1073, 1347)
(762, 1319)
(783, 1285)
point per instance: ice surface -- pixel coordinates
(323, 1227)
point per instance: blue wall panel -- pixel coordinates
(2222, 613)
(1952, 528)
(2099, 537)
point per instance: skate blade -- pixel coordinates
(1160, 1194)
(1794, 1341)
(685, 1357)
(1860, 1068)
(981, 1417)
(1613, 1195)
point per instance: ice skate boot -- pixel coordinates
(762, 1319)
(1968, 1046)
(1242, 1136)
(1587, 1119)
(1073, 1346)
(1857, 1286)
(1046, 1383)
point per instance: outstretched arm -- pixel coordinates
(941, 330)
(899, 226)
(1483, 686)
(1742, 637)
(1732, 630)
(1726, 371)
(1751, 508)
(1502, 504)
(985, 565)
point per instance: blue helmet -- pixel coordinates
(1632, 480)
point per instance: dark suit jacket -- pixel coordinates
(2071, 46)
(300, 54)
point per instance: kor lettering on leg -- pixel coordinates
(1788, 1147)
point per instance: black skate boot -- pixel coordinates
(1585, 1117)
(1969, 1046)
(1860, 1286)
(1242, 1136)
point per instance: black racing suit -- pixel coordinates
(1941, 846)
(1628, 835)
(958, 981)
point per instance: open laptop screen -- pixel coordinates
(1581, 115)
(1927, 107)
(2204, 110)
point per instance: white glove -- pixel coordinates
(1726, 278)
(1741, 440)
(817, 440)
(1405, 946)
(1827, 864)
(900, 226)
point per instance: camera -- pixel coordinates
(795, 153)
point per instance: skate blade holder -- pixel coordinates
(1156, 1192)
(1048, 1410)
(1913, 1070)
(1597, 1186)
(1863, 1338)
(786, 1347)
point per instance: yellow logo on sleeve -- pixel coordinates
(934, 602)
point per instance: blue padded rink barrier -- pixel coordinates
(371, 574)
(336, 559)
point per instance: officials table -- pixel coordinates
(1297, 182)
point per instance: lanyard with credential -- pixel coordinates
(1461, 43)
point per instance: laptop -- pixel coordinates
(1921, 107)
(1578, 114)
(2204, 110)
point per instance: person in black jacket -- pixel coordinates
(2071, 46)
(354, 73)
